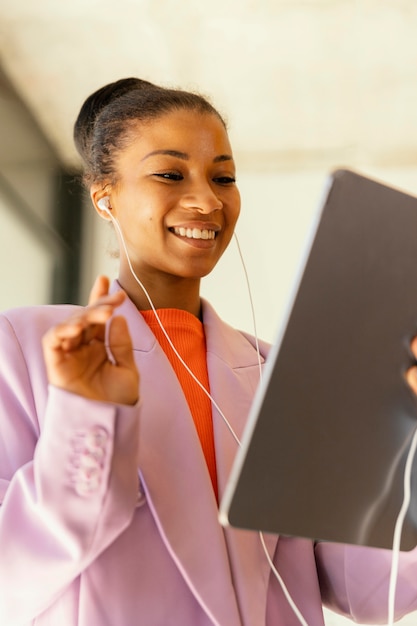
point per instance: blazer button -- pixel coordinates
(90, 449)
(95, 438)
(86, 486)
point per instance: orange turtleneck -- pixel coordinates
(187, 334)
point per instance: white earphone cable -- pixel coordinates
(119, 230)
(255, 331)
(277, 575)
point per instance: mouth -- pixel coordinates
(194, 233)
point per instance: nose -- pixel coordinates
(201, 197)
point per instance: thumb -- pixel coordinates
(120, 343)
(99, 289)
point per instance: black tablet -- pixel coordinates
(324, 450)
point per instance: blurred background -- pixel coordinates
(307, 86)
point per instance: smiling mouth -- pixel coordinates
(194, 233)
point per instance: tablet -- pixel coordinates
(324, 450)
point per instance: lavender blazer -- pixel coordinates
(107, 514)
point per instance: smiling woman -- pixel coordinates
(173, 192)
(109, 484)
(163, 160)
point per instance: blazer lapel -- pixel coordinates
(217, 564)
(234, 375)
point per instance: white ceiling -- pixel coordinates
(303, 83)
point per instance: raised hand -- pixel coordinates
(411, 374)
(78, 359)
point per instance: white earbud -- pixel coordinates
(103, 204)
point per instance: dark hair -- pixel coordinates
(106, 117)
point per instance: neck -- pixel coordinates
(167, 293)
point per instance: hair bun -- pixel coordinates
(110, 115)
(98, 101)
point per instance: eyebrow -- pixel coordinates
(185, 157)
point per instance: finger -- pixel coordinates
(413, 347)
(99, 289)
(411, 377)
(79, 330)
(79, 323)
(97, 313)
(120, 343)
(64, 339)
(112, 299)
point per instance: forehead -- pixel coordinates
(181, 130)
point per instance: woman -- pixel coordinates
(110, 489)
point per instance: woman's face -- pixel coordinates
(176, 199)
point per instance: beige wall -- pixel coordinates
(27, 178)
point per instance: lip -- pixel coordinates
(196, 224)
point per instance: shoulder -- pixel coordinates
(23, 380)
(234, 345)
(28, 323)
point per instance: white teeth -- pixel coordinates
(195, 233)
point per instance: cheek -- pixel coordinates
(236, 204)
(231, 220)
(140, 221)
(234, 212)
(237, 213)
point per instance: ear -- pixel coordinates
(100, 197)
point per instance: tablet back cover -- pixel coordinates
(324, 450)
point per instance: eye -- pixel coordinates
(169, 175)
(225, 180)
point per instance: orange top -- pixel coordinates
(187, 334)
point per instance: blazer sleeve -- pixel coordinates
(65, 494)
(354, 581)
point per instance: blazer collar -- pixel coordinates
(217, 564)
